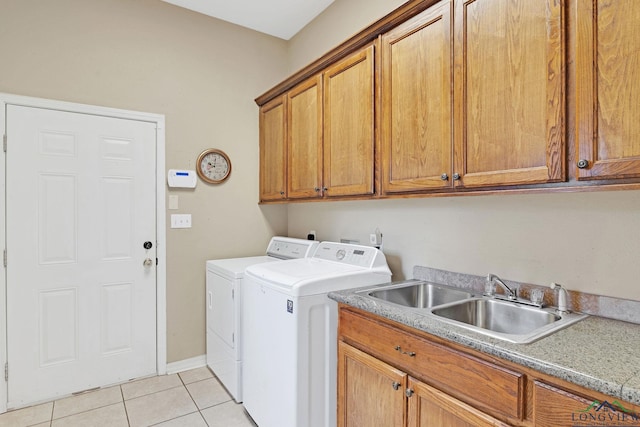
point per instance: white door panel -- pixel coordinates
(81, 307)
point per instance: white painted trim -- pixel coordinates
(161, 250)
(4, 396)
(186, 364)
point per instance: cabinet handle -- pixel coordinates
(456, 176)
(282, 193)
(317, 189)
(444, 177)
(395, 385)
(583, 163)
(408, 353)
(408, 392)
(325, 189)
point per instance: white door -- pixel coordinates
(81, 302)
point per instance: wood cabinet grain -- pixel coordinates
(429, 407)
(416, 86)
(608, 89)
(304, 139)
(456, 97)
(273, 165)
(450, 385)
(509, 92)
(370, 392)
(349, 127)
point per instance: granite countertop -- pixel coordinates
(597, 353)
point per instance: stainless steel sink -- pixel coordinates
(506, 320)
(419, 294)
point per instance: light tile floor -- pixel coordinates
(192, 398)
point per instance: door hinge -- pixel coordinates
(4, 258)
(233, 294)
(6, 371)
(156, 261)
(233, 337)
(4, 142)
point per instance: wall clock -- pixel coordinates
(213, 166)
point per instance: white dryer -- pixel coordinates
(290, 332)
(223, 302)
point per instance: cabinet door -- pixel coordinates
(304, 139)
(554, 407)
(273, 150)
(608, 89)
(349, 135)
(416, 103)
(370, 392)
(509, 92)
(430, 407)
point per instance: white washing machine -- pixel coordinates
(290, 332)
(223, 300)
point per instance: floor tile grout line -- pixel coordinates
(89, 410)
(104, 405)
(124, 404)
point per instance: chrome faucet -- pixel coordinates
(512, 294)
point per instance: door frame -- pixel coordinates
(161, 251)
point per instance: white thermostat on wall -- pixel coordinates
(179, 178)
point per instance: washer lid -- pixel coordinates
(234, 268)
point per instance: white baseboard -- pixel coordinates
(186, 364)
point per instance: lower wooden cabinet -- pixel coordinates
(428, 406)
(391, 376)
(556, 407)
(370, 392)
(374, 393)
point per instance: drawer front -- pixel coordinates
(465, 377)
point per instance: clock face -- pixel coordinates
(214, 166)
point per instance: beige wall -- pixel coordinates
(337, 23)
(586, 241)
(202, 74)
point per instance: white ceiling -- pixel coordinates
(279, 18)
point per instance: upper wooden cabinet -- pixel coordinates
(464, 96)
(509, 92)
(273, 150)
(304, 139)
(349, 133)
(608, 89)
(325, 129)
(416, 104)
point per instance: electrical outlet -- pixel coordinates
(181, 221)
(373, 239)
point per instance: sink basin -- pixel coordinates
(419, 294)
(506, 320)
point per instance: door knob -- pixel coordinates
(147, 262)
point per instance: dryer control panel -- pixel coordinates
(290, 248)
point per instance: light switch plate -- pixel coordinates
(173, 201)
(181, 221)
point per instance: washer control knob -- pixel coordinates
(340, 254)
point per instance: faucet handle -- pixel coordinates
(536, 296)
